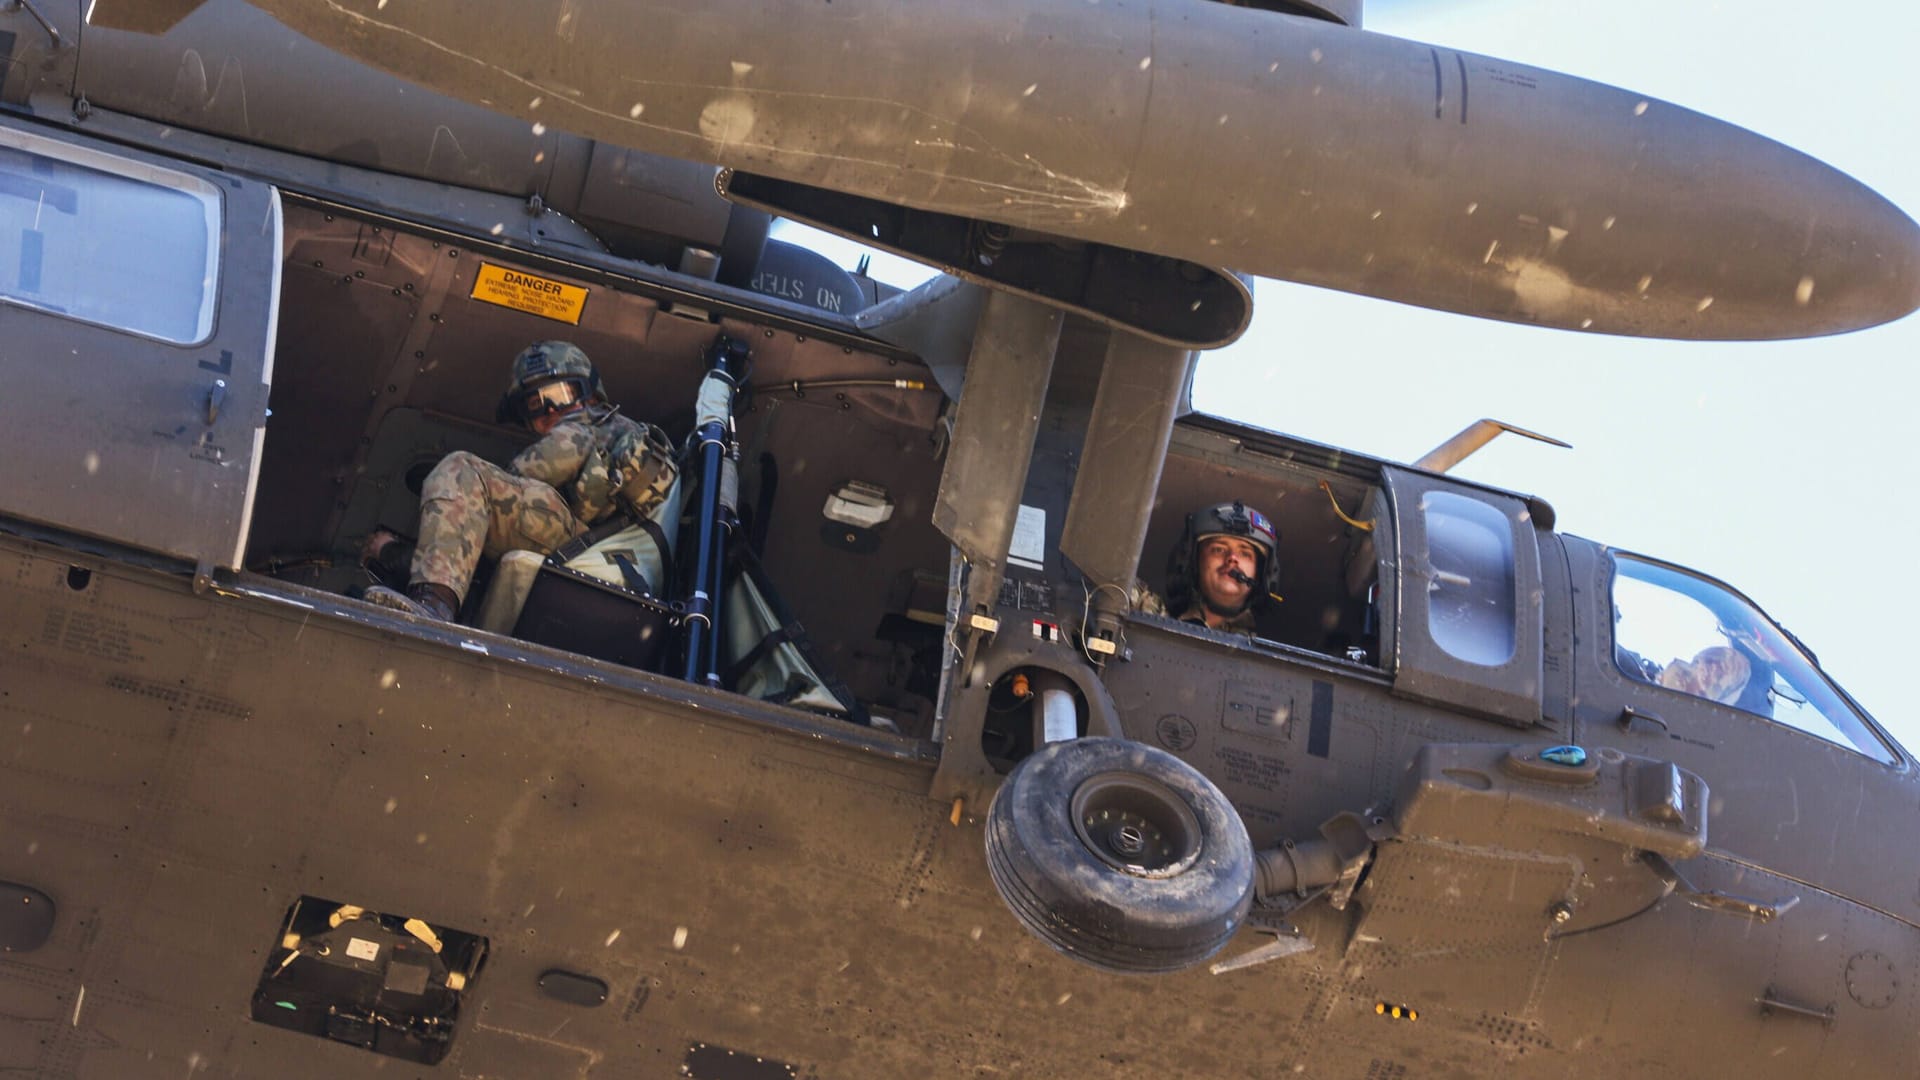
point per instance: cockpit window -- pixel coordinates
(106, 240)
(1694, 636)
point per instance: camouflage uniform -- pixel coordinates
(573, 478)
(1243, 623)
(1148, 602)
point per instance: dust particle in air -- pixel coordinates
(1317, 55)
(1028, 92)
(1705, 303)
(613, 937)
(1640, 109)
(539, 130)
(91, 463)
(975, 933)
(638, 108)
(389, 679)
(392, 804)
(1804, 292)
(679, 937)
(1146, 62)
(535, 103)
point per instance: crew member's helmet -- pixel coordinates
(1223, 519)
(549, 376)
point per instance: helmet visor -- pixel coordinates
(551, 397)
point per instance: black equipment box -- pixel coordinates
(570, 610)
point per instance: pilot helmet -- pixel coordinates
(1223, 519)
(549, 376)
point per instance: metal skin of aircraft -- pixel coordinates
(1474, 797)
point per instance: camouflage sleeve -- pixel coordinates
(643, 468)
(624, 461)
(1146, 601)
(556, 459)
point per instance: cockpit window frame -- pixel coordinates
(1894, 755)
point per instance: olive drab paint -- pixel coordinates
(1445, 809)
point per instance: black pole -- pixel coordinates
(714, 438)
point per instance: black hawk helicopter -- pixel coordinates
(1475, 795)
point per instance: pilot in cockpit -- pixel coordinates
(589, 465)
(1221, 572)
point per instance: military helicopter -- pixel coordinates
(1476, 795)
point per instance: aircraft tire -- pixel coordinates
(1161, 898)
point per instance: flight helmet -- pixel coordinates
(549, 376)
(1222, 519)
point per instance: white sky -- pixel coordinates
(1779, 468)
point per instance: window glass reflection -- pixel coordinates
(107, 241)
(1470, 598)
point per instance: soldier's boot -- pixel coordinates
(426, 600)
(386, 555)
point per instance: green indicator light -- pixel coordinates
(288, 1005)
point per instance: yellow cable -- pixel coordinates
(1363, 526)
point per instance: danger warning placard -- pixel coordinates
(526, 292)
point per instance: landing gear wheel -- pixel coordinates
(1120, 855)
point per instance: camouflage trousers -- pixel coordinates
(470, 507)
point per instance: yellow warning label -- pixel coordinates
(540, 296)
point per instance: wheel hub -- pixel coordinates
(1136, 825)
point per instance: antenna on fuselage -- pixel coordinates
(1471, 438)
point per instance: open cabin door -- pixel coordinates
(1468, 623)
(137, 306)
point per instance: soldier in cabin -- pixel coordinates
(588, 465)
(1223, 569)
